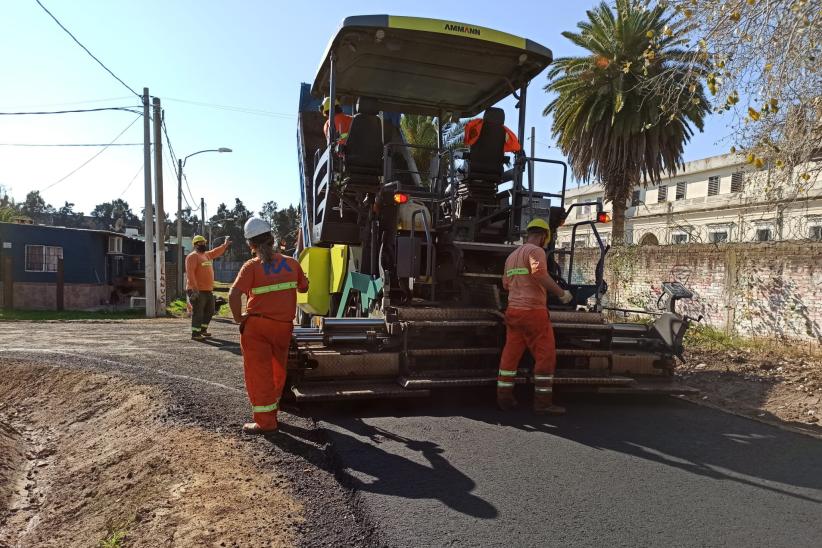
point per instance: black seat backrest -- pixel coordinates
(487, 156)
(364, 148)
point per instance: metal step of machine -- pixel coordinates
(413, 350)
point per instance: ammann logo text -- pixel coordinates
(463, 29)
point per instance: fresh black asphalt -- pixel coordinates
(453, 471)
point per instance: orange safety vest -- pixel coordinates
(342, 125)
(474, 127)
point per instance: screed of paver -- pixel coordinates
(102, 461)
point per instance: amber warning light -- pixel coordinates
(400, 198)
(603, 217)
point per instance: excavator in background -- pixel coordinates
(404, 243)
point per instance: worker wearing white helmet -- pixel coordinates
(270, 281)
(526, 320)
(200, 284)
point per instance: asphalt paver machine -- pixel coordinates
(404, 242)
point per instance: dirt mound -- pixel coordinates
(103, 462)
(11, 464)
(783, 383)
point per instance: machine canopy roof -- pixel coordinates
(421, 66)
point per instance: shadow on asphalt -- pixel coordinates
(222, 344)
(664, 430)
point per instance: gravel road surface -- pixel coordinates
(454, 472)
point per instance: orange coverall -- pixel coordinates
(342, 125)
(265, 334)
(474, 127)
(526, 319)
(200, 278)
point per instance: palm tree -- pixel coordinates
(613, 114)
(422, 130)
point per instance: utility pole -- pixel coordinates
(202, 217)
(159, 216)
(180, 288)
(148, 261)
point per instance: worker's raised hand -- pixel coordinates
(227, 241)
(566, 297)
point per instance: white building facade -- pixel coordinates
(713, 200)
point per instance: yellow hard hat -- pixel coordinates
(326, 106)
(539, 223)
(198, 240)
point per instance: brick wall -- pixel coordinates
(749, 289)
(43, 296)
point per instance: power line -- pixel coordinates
(89, 101)
(191, 194)
(142, 165)
(244, 110)
(174, 164)
(86, 49)
(70, 144)
(99, 152)
(27, 113)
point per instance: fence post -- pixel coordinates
(730, 291)
(60, 284)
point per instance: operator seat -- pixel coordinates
(363, 150)
(481, 175)
(486, 157)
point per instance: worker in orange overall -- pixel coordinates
(527, 323)
(342, 121)
(200, 284)
(270, 281)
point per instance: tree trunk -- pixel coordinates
(618, 223)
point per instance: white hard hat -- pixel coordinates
(254, 227)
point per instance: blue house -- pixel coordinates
(100, 267)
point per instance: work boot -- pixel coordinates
(197, 336)
(544, 405)
(254, 428)
(205, 333)
(505, 399)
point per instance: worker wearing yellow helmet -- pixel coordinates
(200, 284)
(342, 121)
(526, 319)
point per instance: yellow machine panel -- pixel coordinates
(339, 267)
(316, 263)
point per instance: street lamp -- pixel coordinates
(180, 165)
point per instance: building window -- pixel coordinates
(815, 232)
(115, 245)
(713, 186)
(764, 234)
(679, 238)
(635, 198)
(663, 195)
(737, 181)
(718, 236)
(581, 241)
(42, 258)
(681, 190)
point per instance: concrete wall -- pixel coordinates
(762, 290)
(43, 296)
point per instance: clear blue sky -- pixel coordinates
(246, 53)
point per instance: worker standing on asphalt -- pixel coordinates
(200, 284)
(527, 323)
(270, 281)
